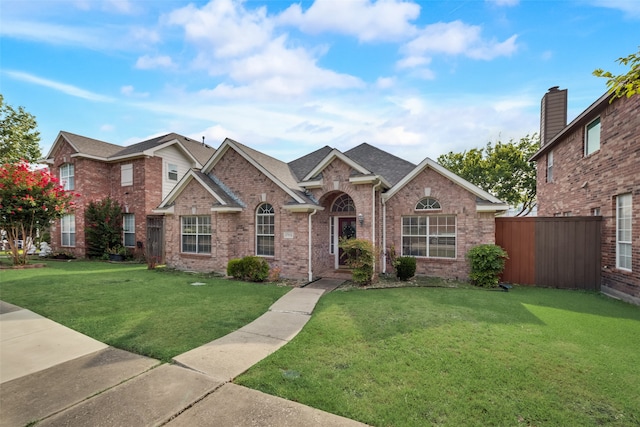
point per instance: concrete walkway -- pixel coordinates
(58, 377)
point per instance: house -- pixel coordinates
(591, 166)
(244, 202)
(138, 177)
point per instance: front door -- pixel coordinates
(346, 229)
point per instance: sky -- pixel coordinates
(415, 78)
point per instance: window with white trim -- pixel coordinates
(550, 166)
(68, 230)
(195, 234)
(126, 174)
(623, 232)
(129, 230)
(429, 236)
(172, 172)
(344, 203)
(428, 204)
(265, 230)
(67, 178)
(592, 137)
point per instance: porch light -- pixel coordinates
(361, 219)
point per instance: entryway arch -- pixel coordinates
(342, 217)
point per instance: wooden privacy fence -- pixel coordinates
(562, 252)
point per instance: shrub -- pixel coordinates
(487, 263)
(103, 228)
(405, 267)
(359, 255)
(250, 268)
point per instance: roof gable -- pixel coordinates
(276, 170)
(494, 203)
(220, 194)
(330, 157)
(303, 165)
(82, 145)
(196, 152)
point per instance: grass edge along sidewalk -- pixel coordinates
(155, 313)
(434, 356)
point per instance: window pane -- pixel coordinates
(196, 234)
(265, 230)
(593, 136)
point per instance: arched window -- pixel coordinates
(265, 230)
(344, 203)
(428, 204)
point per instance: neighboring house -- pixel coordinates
(138, 176)
(243, 202)
(592, 167)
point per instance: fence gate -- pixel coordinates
(155, 238)
(561, 252)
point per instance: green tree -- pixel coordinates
(627, 84)
(29, 199)
(19, 137)
(503, 170)
(103, 229)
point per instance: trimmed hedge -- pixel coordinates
(249, 268)
(405, 267)
(487, 263)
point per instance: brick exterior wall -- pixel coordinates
(233, 234)
(581, 184)
(95, 180)
(472, 228)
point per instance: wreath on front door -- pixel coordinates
(348, 231)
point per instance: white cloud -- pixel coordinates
(147, 62)
(224, 27)
(107, 128)
(629, 7)
(453, 38)
(364, 19)
(504, 2)
(118, 6)
(60, 87)
(385, 82)
(130, 91)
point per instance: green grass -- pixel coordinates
(156, 313)
(429, 356)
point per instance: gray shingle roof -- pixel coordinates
(198, 150)
(305, 164)
(96, 148)
(392, 168)
(89, 146)
(225, 194)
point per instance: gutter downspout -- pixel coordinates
(373, 218)
(384, 234)
(315, 211)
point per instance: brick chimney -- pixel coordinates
(553, 114)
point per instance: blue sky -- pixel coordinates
(417, 79)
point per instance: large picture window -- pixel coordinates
(68, 230)
(265, 230)
(195, 234)
(592, 137)
(623, 232)
(67, 178)
(129, 230)
(429, 236)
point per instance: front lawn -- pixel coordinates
(156, 313)
(463, 357)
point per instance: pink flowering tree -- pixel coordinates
(29, 199)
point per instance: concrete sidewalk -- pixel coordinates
(62, 378)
